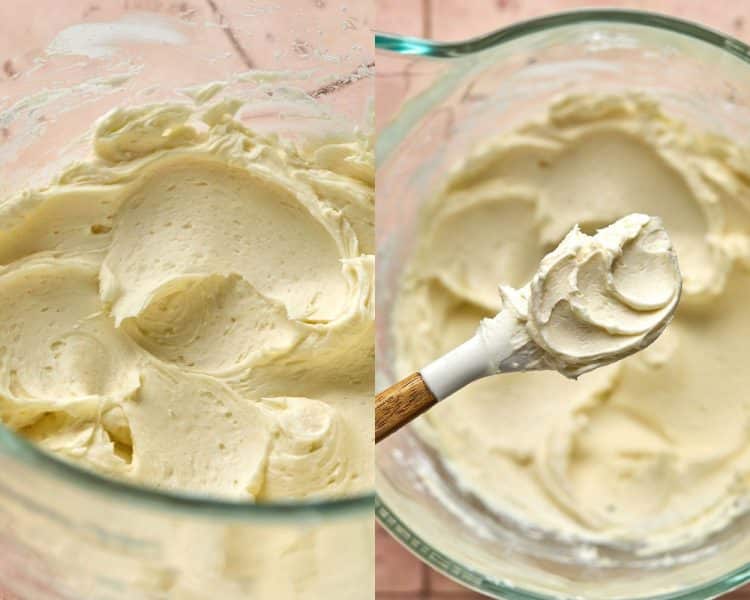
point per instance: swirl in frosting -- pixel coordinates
(154, 297)
(596, 299)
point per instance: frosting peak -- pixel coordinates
(596, 299)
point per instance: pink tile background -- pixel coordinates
(400, 576)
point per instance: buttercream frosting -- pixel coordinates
(192, 307)
(596, 299)
(652, 451)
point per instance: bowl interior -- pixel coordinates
(485, 89)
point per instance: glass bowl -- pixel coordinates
(439, 100)
(303, 68)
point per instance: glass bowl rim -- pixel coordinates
(408, 45)
(415, 46)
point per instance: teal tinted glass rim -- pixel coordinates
(478, 582)
(179, 502)
(412, 46)
(417, 46)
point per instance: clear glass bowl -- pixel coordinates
(435, 102)
(303, 67)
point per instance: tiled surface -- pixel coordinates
(400, 576)
(20, 44)
(451, 20)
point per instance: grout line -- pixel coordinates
(427, 19)
(425, 580)
(362, 71)
(229, 32)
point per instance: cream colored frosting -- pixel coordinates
(652, 451)
(594, 300)
(597, 299)
(192, 307)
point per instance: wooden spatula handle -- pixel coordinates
(401, 403)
